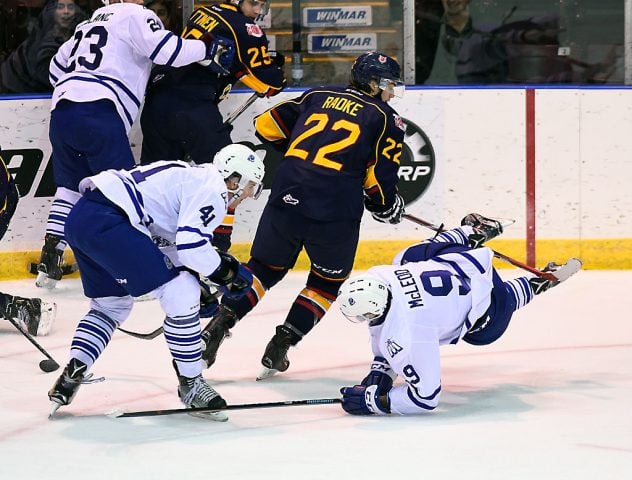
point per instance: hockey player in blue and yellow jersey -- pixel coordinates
(342, 148)
(181, 118)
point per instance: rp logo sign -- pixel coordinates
(417, 163)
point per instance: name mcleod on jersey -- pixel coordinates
(409, 288)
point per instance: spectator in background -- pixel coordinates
(466, 53)
(469, 52)
(26, 69)
(163, 9)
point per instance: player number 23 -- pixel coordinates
(319, 122)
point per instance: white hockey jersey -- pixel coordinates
(178, 202)
(433, 303)
(110, 57)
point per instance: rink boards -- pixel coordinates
(467, 150)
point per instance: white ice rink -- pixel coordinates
(552, 399)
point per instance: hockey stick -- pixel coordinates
(233, 116)
(49, 365)
(143, 336)
(242, 406)
(512, 261)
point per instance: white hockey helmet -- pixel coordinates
(363, 298)
(236, 160)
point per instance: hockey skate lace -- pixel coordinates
(85, 380)
(199, 391)
(23, 318)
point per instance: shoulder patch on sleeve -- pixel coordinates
(399, 123)
(254, 30)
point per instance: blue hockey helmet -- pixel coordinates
(379, 68)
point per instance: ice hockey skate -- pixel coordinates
(195, 392)
(275, 359)
(49, 269)
(66, 386)
(560, 272)
(215, 332)
(484, 228)
(34, 315)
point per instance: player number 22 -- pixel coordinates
(320, 122)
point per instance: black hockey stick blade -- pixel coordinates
(241, 406)
(49, 366)
(143, 336)
(66, 269)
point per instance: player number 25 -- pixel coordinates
(259, 56)
(320, 122)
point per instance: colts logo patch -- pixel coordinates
(254, 30)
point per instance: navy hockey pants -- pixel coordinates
(87, 138)
(115, 259)
(493, 324)
(180, 127)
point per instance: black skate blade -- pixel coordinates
(66, 269)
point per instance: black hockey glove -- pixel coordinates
(277, 58)
(232, 278)
(361, 400)
(220, 53)
(392, 215)
(381, 374)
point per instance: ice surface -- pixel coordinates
(552, 399)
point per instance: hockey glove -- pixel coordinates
(391, 215)
(272, 91)
(231, 277)
(381, 374)
(220, 53)
(361, 400)
(277, 58)
(209, 297)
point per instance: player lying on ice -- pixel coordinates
(436, 293)
(110, 231)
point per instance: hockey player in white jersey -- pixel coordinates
(99, 78)
(110, 230)
(436, 293)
